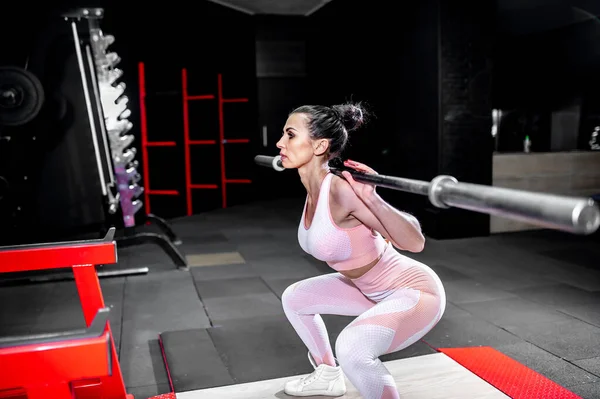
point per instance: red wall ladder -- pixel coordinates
(222, 141)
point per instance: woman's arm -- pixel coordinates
(403, 230)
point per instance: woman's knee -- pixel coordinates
(289, 298)
(350, 349)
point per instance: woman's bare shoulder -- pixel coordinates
(343, 194)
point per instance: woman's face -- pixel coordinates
(295, 144)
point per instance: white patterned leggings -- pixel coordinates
(399, 316)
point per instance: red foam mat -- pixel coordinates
(506, 374)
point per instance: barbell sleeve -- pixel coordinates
(269, 162)
(578, 215)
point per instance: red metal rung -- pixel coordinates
(202, 97)
(238, 181)
(161, 144)
(163, 192)
(200, 142)
(234, 100)
(204, 186)
(233, 141)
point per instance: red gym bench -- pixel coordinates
(71, 364)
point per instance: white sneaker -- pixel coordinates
(325, 380)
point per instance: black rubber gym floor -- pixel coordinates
(532, 295)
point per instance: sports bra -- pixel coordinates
(342, 248)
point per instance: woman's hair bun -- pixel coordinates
(353, 116)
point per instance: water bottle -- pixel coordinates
(526, 144)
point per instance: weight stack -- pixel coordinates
(114, 103)
(67, 168)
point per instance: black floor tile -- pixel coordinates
(144, 255)
(513, 312)
(260, 348)
(160, 302)
(592, 365)
(588, 312)
(13, 330)
(585, 279)
(467, 331)
(569, 339)
(116, 334)
(247, 234)
(22, 304)
(587, 391)
(113, 292)
(284, 267)
(579, 256)
(469, 290)
(194, 248)
(278, 285)
(143, 366)
(517, 259)
(193, 361)
(222, 309)
(194, 236)
(269, 249)
(221, 272)
(558, 295)
(231, 287)
(527, 353)
(454, 311)
(136, 334)
(68, 317)
(508, 279)
(447, 274)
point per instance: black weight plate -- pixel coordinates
(21, 96)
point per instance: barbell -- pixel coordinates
(577, 215)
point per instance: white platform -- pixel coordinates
(423, 377)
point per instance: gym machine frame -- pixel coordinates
(88, 53)
(69, 364)
(570, 214)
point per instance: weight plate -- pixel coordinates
(21, 96)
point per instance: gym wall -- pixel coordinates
(416, 83)
(425, 71)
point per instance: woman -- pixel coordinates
(397, 300)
